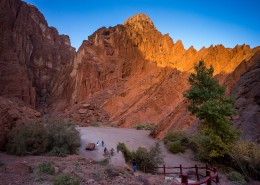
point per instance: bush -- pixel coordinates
(65, 179)
(53, 137)
(176, 136)
(29, 139)
(46, 167)
(63, 138)
(236, 177)
(147, 126)
(127, 154)
(103, 162)
(246, 158)
(146, 159)
(176, 141)
(175, 147)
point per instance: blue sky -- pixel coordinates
(195, 22)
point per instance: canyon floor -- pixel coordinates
(87, 165)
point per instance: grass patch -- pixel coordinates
(103, 162)
(236, 177)
(65, 179)
(145, 126)
(46, 168)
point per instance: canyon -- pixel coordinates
(124, 75)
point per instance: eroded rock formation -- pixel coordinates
(31, 54)
(137, 75)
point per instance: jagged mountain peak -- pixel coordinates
(139, 19)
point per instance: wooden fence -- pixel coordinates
(209, 175)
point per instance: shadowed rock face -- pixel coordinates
(133, 74)
(31, 54)
(245, 83)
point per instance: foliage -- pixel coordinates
(127, 154)
(29, 139)
(103, 162)
(53, 137)
(175, 147)
(65, 179)
(148, 126)
(148, 159)
(63, 138)
(236, 177)
(176, 136)
(176, 141)
(145, 159)
(46, 167)
(245, 157)
(209, 103)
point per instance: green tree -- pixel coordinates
(209, 103)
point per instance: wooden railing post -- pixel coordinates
(197, 173)
(184, 179)
(180, 169)
(164, 171)
(217, 178)
(209, 182)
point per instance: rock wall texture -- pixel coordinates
(245, 83)
(31, 53)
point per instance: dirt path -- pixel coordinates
(132, 138)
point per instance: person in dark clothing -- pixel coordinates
(105, 150)
(103, 143)
(134, 166)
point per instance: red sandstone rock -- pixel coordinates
(31, 54)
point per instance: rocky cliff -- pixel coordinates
(31, 54)
(132, 74)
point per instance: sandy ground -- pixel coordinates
(132, 138)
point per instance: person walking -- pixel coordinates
(105, 150)
(103, 143)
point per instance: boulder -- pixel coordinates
(90, 146)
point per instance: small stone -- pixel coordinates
(91, 181)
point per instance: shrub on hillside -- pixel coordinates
(146, 159)
(145, 126)
(176, 136)
(46, 168)
(29, 139)
(65, 179)
(246, 158)
(63, 138)
(175, 147)
(176, 141)
(52, 137)
(127, 154)
(236, 178)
